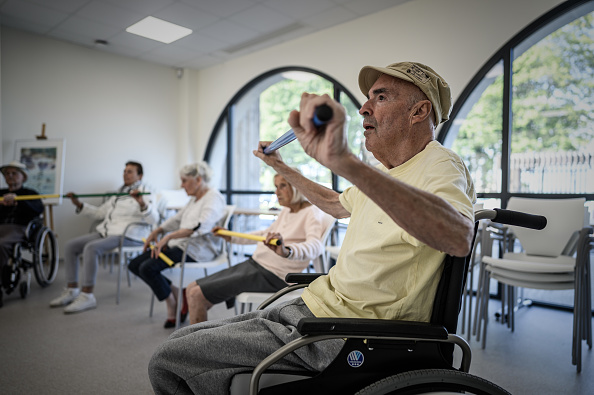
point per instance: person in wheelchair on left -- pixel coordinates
(15, 214)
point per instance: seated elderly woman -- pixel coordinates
(194, 221)
(299, 229)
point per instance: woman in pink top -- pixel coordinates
(299, 229)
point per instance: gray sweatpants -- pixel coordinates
(203, 358)
(91, 246)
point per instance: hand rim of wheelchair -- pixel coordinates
(424, 380)
(45, 265)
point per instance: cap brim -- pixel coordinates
(369, 74)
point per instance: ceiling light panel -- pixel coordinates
(159, 30)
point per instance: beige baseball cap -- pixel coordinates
(431, 83)
(16, 165)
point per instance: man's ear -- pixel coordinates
(420, 111)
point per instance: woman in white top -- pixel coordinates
(299, 229)
(194, 221)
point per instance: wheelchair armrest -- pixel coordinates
(302, 278)
(371, 327)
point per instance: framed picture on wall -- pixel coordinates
(45, 166)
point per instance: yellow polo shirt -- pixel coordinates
(382, 271)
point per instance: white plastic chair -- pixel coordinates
(548, 261)
(320, 265)
(182, 273)
(126, 253)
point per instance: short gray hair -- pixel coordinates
(298, 197)
(200, 169)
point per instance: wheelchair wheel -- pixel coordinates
(45, 257)
(433, 380)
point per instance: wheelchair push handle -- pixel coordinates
(516, 218)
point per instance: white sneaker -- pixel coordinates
(83, 302)
(67, 296)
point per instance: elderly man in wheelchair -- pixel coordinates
(21, 229)
(411, 219)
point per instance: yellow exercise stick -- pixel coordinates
(224, 232)
(164, 257)
(33, 197)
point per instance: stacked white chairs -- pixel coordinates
(555, 258)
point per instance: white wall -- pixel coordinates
(108, 108)
(111, 109)
(455, 37)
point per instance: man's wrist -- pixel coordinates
(290, 254)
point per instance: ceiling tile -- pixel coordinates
(108, 14)
(32, 13)
(228, 32)
(186, 16)
(61, 5)
(24, 25)
(220, 8)
(79, 25)
(145, 7)
(300, 9)
(262, 19)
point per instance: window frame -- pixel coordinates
(227, 116)
(506, 54)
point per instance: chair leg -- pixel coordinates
(127, 273)
(479, 297)
(152, 304)
(511, 308)
(119, 282)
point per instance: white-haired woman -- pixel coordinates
(299, 229)
(197, 218)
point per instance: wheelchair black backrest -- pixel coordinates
(448, 298)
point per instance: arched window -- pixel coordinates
(259, 111)
(525, 123)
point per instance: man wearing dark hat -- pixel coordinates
(405, 215)
(15, 214)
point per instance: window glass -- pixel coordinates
(553, 112)
(476, 132)
(355, 136)
(218, 159)
(259, 112)
(262, 115)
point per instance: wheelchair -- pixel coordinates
(39, 251)
(386, 356)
